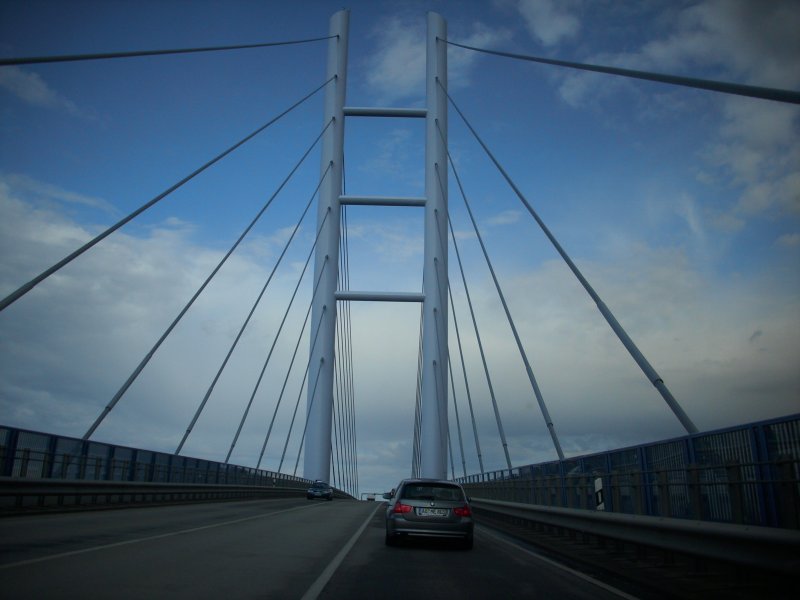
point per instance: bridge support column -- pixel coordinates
(433, 404)
(317, 456)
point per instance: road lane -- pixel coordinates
(429, 568)
(262, 549)
(254, 549)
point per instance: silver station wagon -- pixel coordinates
(428, 507)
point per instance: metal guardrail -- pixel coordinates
(746, 475)
(31, 454)
(32, 494)
(764, 548)
(43, 470)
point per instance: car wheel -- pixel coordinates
(390, 540)
(467, 543)
(330, 498)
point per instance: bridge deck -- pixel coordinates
(283, 548)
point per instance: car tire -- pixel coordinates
(467, 543)
(390, 540)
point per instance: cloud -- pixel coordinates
(789, 240)
(740, 40)
(396, 70)
(31, 88)
(697, 333)
(756, 147)
(46, 191)
(69, 344)
(507, 217)
(549, 22)
(396, 156)
(758, 41)
(461, 61)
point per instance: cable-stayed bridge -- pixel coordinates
(728, 476)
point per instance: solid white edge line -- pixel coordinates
(558, 565)
(326, 575)
(145, 539)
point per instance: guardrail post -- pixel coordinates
(23, 466)
(48, 464)
(8, 453)
(695, 496)
(637, 491)
(734, 472)
(788, 497)
(615, 485)
(586, 491)
(664, 508)
(65, 458)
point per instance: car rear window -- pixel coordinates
(436, 491)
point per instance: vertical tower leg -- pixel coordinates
(317, 457)
(433, 405)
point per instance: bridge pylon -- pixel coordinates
(433, 402)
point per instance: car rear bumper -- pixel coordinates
(399, 526)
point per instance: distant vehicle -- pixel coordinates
(320, 489)
(430, 508)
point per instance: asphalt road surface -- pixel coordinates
(285, 548)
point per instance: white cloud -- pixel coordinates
(461, 61)
(549, 22)
(696, 333)
(740, 40)
(757, 146)
(31, 88)
(69, 344)
(396, 70)
(396, 157)
(789, 240)
(507, 217)
(759, 149)
(48, 191)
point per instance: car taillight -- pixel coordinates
(463, 511)
(402, 508)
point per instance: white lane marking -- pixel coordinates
(147, 539)
(326, 575)
(558, 565)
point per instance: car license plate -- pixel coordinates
(432, 512)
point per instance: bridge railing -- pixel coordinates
(746, 475)
(30, 455)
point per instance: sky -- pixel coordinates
(681, 207)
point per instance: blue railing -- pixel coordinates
(748, 474)
(31, 454)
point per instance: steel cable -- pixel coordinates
(531, 377)
(24, 289)
(302, 386)
(174, 323)
(31, 60)
(415, 452)
(285, 314)
(623, 336)
(308, 415)
(449, 362)
(750, 91)
(350, 381)
(242, 329)
(291, 362)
